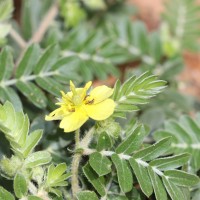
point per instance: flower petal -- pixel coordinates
(57, 114)
(100, 111)
(101, 93)
(74, 120)
(81, 91)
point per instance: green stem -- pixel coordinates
(77, 138)
(75, 165)
(77, 158)
(75, 182)
(18, 39)
(27, 78)
(32, 188)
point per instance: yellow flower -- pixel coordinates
(77, 106)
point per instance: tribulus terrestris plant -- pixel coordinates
(67, 136)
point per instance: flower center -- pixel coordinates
(77, 100)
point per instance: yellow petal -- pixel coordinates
(101, 93)
(87, 85)
(80, 91)
(65, 97)
(57, 114)
(85, 89)
(72, 87)
(100, 111)
(74, 120)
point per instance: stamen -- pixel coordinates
(88, 100)
(70, 108)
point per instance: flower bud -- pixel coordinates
(9, 167)
(109, 126)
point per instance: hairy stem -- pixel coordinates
(87, 151)
(75, 165)
(75, 182)
(32, 188)
(39, 193)
(77, 158)
(43, 195)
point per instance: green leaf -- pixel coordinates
(31, 197)
(57, 192)
(50, 85)
(100, 163)
(86, 195)
(196, 195)
(28, 79)
(4, 129)
(47, 59)
(181, 178)
(32, 12)
(174, 191)
(6, 64)
(172, 67)
(20, 185)
(15, 126)
(33, 93)
(117, 197)
(186, 36)
(92, 177)
(56, 175)
(11, 115)
(185, 138)
(23, 132)
(9, 94)
(124, 174)
(132, 40)
(38, 158)
(116, 89)
(93, 63)
(3, 116)
(136, 91)
(157, 185)
(154, 150)
(28, 61)
(6, 8)
(32, 141)
(171, 162)
(5, 195)
(155, 46)
(133, 141)
(104, 142)
(142, 175)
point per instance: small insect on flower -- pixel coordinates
(77, 106)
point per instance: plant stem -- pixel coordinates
(39, 193)
(32, 188)
(38, 35)
(44, 25)
(43, 195)
(77, 138)
(75, 182)
(77, 158)
(18, 39)
(75, 165)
